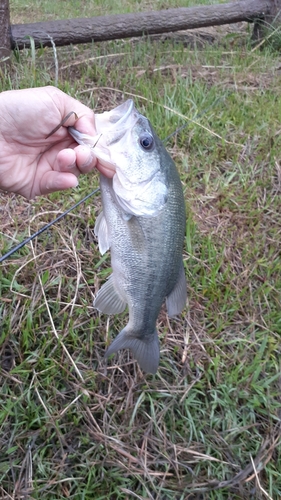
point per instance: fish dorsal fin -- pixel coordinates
(101, 231)
(176, 301)
(108, 299)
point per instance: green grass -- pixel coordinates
(70, 429)
(43, 10)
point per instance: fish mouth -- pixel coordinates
(120, 114)
(111, 127)
(114, 125)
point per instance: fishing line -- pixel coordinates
(193, 119)
(44, 228)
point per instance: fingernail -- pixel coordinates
(87, 163)
(90, 158)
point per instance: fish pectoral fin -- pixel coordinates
(108, 299)
(101, 231)
(176, 301)
(145, 350)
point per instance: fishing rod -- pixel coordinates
(44, 228)
(57, 219)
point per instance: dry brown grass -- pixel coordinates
(207, 426)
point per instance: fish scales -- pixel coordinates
(146, 250)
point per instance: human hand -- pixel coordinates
(30, 164)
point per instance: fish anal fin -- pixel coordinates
(146, 351)
(176, 301)
(101, 231)
(108, 300)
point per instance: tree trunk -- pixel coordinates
(5, 37)
(271, 19)
(73, 31)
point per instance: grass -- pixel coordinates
(47, 11)
(207, 425)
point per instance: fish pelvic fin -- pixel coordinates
(145, 350)
(108, 299)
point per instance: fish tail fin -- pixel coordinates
(146, 350)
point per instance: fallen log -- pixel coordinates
(85, 30)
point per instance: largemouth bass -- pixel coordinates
(143, 224)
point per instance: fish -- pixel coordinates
(143, 224)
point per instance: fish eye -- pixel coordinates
(146, 141)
